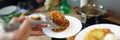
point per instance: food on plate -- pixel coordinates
(110, 36)
(36, 17)
(97, 34)
(59, 19)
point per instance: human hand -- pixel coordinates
(25, 29)
(37, 30)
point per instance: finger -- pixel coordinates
(37, 33)
(25, 24)
(15, 19)
(41, 32)
(42, 25)
(25, 29)
(21, 18)
(35, 29)
(35, 26)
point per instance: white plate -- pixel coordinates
(43, 17)
(74, 27)
(114, 28)
(7, 10)
(42, 21)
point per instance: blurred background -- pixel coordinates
(108, 4)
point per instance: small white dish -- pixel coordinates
(42, 17)
(74, 27)
(114, 28)
(8, 10)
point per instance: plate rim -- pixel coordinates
(92, 27)
(8, 7)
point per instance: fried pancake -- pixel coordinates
(59, 19)
(97, 34)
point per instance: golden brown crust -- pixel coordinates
(60, 20)
(36, 18)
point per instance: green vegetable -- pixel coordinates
(9, 17)
(6, 19)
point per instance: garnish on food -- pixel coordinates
(36, 17)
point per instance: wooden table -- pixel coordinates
(113, 19)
